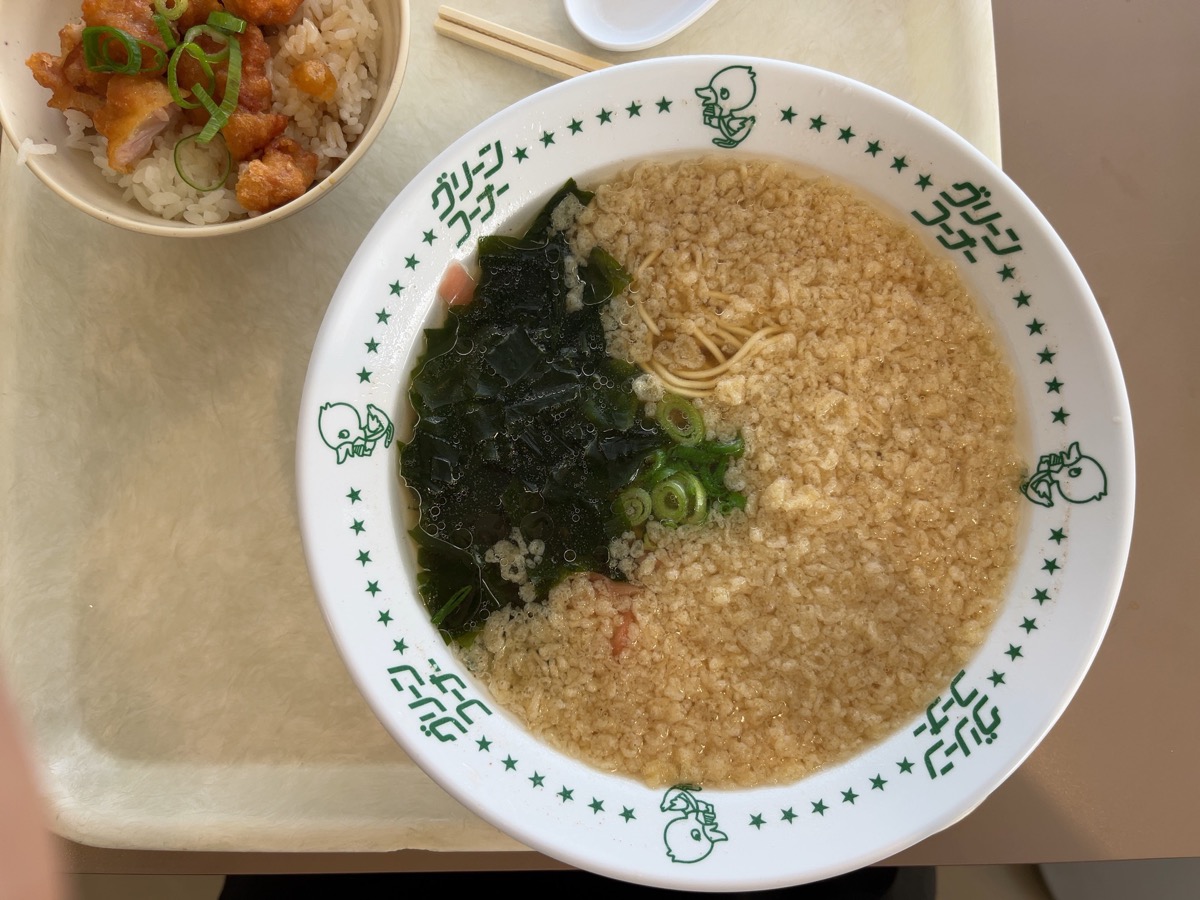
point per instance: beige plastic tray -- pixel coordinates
(156, 619)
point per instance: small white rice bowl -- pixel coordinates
(364, 42)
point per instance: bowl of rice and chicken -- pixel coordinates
(198, 117)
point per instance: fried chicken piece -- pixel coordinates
(247, 133)
(137, 109)
(75, 64)
(136, 17)
(254, 93)
(264, 12)
(197, 13)
(71, 84)
(284, 173)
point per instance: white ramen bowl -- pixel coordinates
(33, 27)
(1072, 548)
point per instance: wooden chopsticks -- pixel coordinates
(504, 42)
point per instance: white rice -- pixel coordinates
(28, 148)
(345, 35)
(154, 183)
(342, 33)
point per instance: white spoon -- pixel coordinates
(633, 24)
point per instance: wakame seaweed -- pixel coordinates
(524, 424)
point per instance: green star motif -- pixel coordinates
(627, 813)
(372, 588)
(924, 181)
(566, 794)
(844, 134)
(1051, 565)
(1054, 386)
(428, 237)
(385, 616)
(1013, 652)
(1045, 356)
(1035, 327)
(358, 527)
(1029, 625)
(878, 782)
(372, 346)
(873, 147)
(819, 807)
(510, 764)
(634, 109)
(786, 115)
(547, 138)
(605, 116)
(899, 163)
(757, 821)
(849, 796)
(354, 496)
(816, 124)
(996, 678)
(537, 779)
(576, 126)
(1040, 596)
(664, 105)
(399, 646)
(520, 155)
(383, 315)
(395, 287)
(363, 375)
(411, 262)
(905, 766)
(597, 806)
(1006, 273)
(1022, 299)
(1058, 535)
(787, 815)
(363, 557)
(484, 744)
(1060, 415)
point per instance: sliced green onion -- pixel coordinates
(215, 34)
(634, 505)
(233, 83)
(227, 165)
(680, 420)
(669, 502)
(164, 30)
(173, 11)
(160, 60)
(227, 22)
(96, 55)
(697, 498)
(197, 52)
(455, 600)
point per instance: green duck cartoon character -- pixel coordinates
(729, 92)
(1076, 478)
(344, 432)
(691, 836)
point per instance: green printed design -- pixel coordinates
(349, 434)
(729, 92)
(969, 207)
(950, 740)
(691, 835)
(1075, 477)
(460, 201)
(445, 711)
